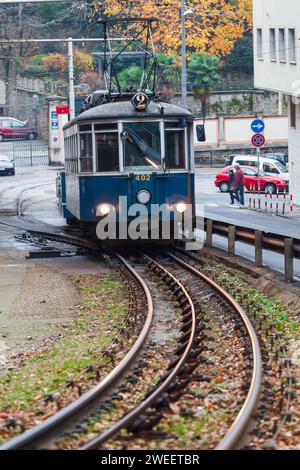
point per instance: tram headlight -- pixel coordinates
(104, 209)
(143, 196)
(180, 207)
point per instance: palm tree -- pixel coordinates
(203, 75)
(168, 75)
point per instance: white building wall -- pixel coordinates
(277, 74)
(294, 158)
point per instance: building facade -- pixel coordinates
(277, 67)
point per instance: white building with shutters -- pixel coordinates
(277, 66)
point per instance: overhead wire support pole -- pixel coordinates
(71, 79)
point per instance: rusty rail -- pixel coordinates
(41, 435)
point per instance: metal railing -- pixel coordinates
(289, 247)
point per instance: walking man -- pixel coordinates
(239, 183)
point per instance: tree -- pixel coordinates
(241, 57)
(55, 62)
(46, 20)
(92, 79)
(168, 75)
(130, 77)
(168, 68)
(203, 75)
(213, 28)
(83, 62)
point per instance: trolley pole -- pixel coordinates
(183, 53)
(71, 79)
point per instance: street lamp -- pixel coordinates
(184, 13)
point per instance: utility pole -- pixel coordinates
(183, 55)
(71, 79)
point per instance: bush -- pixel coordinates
(56, 63)
(130, 77)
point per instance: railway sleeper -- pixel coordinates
(188, 369)
(145, 421)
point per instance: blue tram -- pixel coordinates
(114, 150)
(127, 148)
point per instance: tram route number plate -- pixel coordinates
(143, 178)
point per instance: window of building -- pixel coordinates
(292, 113)
(107, 151)
(292, 46)
(272, 43)
(259, 44)
(86, 153)
(281, 45)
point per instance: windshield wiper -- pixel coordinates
(151, 155)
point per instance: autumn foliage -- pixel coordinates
(55, 62)
(214, 26)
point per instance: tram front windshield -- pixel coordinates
(142, 149)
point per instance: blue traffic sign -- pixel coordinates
(258, 126)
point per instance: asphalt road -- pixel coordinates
(215, 205)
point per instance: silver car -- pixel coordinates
(7, 166)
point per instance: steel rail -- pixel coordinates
(38, 435)
(152, 398)
(238, 427)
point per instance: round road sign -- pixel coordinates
(258, 140)
(258, 126)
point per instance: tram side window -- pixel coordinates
(86, 153)
(71, 162)
(175, 145)
(107, 152)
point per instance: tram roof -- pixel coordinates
(124, 110)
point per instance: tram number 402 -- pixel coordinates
(142, 178)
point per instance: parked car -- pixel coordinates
(268, 165)
(280, 157)
(7, 166)
(11, 128)
(268, 183)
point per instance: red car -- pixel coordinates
(11, 128)
(268, 183)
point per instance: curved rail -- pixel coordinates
(157, 392)
(34, 438)
(238, 427)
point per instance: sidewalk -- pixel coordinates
(295, 215)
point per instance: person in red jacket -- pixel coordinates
(239, 183)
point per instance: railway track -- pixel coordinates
(173, 382)
(43, 435)
(190, 346)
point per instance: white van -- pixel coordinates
(268, 165)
